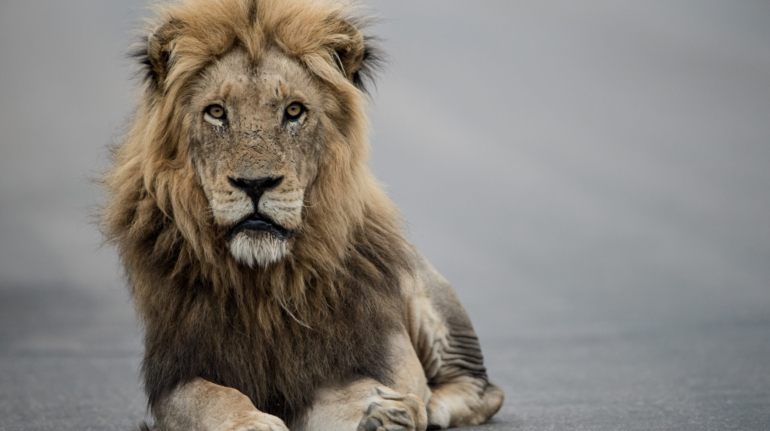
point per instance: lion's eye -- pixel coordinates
(294, 111)
(216, 111)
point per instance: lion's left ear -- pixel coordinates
(355, 54)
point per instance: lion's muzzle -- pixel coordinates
(257, 238)
(254, 189)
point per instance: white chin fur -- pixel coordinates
(262, 249)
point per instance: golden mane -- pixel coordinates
(346, 255)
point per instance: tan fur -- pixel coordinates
(202, 406)
(243, 329)
(354, 406)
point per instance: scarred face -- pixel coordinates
(256, 149)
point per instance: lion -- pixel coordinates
(267, 265)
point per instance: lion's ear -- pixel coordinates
(155, 55)
(356, 55)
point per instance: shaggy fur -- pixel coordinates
(321, 314)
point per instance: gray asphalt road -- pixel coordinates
(591, 176)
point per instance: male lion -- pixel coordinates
(267, 265)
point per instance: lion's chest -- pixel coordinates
(280, 371)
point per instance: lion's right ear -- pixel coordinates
(156, 52)
(356, 55)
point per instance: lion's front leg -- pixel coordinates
(365, 405)
(204, 406)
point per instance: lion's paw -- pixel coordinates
(390, 411)
(254, 421)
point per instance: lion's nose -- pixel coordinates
(255, 187)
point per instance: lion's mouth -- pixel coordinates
(258, 222)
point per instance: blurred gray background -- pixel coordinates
(593, 177)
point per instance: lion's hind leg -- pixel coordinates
(461, 393)
(449, 350)
(462, 403)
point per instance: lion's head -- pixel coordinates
(248, 148)
(257, 129)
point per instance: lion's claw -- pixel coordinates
(372, 424)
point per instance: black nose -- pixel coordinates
(254, 187)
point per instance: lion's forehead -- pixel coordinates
(274, 74)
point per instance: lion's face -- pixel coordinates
(256, 145)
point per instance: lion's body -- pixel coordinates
(323, 301)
